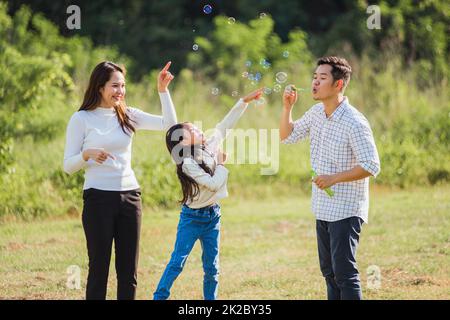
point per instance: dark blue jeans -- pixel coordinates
(337, 243)
(195, 224)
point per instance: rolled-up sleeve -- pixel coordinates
(300, 130)
(363, 146)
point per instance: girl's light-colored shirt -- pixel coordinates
(213, 187)
(100, 128)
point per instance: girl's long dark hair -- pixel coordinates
(92, 97)
(189, 186)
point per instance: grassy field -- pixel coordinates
(268, 250)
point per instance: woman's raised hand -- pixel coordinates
(164, 78)
(253, 95)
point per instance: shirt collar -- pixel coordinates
(338, 112)
(104, 111)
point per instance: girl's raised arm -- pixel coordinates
(230, 120)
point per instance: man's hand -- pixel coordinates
(290, 98)
(324, 181)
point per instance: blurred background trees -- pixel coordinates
(148, 31)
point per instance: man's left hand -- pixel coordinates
(325, 181)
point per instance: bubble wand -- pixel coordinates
(291, 87)
(327, 190)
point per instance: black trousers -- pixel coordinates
(108, 216)
(337, 243)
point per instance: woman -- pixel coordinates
(98, 140)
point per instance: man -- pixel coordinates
(344, 156)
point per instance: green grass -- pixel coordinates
(268, 250)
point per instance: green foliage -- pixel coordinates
(223, 55)
(158, 177)
(43, 76)
(28, 82)
(417, 30)
(417, 151)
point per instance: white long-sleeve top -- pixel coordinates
(100, 128)
(212, 187)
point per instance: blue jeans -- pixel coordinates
(203, 224)
(337, 243)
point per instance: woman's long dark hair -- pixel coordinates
(92, 97)
(189, 186)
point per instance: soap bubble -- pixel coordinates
(195, 47)
(215, 91)
(251, 76)
(234, 93)
(281, 77)
(264, 63)
(258, 76)
(288, 88)
(248, 63)
(286, 54)
(267, 90)
(207, 9)
(260, 102)
(276, 88)
(245, 74)
(231, 20)
(262, 15)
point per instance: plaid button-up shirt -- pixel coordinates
(338, 143)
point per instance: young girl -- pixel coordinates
(203, 178)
